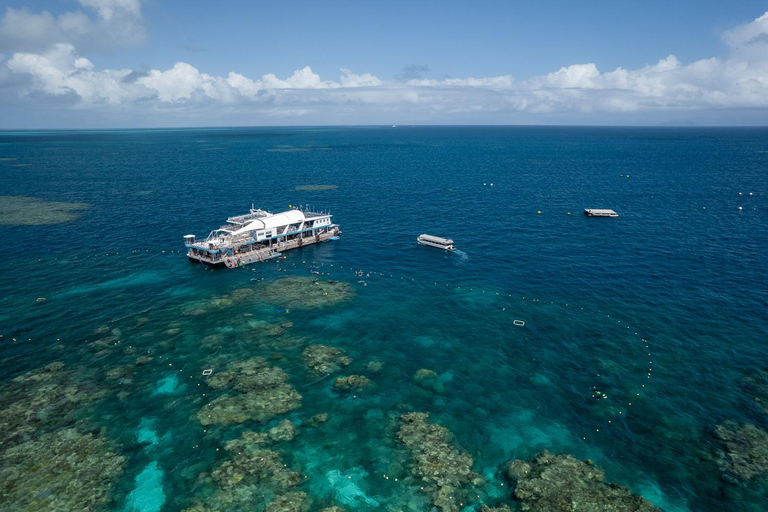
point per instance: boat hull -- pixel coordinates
(436, 246)
(218, 264)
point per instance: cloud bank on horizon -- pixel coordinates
(44, 66)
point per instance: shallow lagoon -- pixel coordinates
(661, 309)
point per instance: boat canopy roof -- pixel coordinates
(273, 221)
(436, 239)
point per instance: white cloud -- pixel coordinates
(349, 79)
(739, 81)
(748, 33)
(175, 84)
(496, 82)
(59, 72)
(107, 9)
(117, 23)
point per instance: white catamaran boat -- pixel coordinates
(260, 235)
(436, 241)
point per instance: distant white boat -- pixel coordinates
(595, 212)
(436, 241)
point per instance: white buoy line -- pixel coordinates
(597, 394)
(364, 275)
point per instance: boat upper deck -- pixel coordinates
(259, 226)
(436, 239)
(248, 217)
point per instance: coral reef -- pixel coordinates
(445, 470)
(744, 454)
(32, 211)
(42, 400)
(203, 307)
(284, 431)
(263, 394)
(289, 502)
(757, 385)
(247, 440)
(324, 359)
(252, 478)
(563, 483)
(121, 373)
(306, 292)
(375, 366)
(317, 419)
(63, 470)
(424, 374)
(313, 188)
(428, 379)
(142, 360)
(352, 383)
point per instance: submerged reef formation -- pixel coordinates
(757, 385)
(284, 431)
(260, 393)
(323, 359)
(424, 374)
(42, 400)
(51, 458)
(743, 455)
(445, 470)
(429, 380)
(32, 211)
(374, 366)
(555, 483)
(353, 383)
(287, 148)
(253, 477)
(63, 470)
(216, 302)
(306, 292)
(315, 188)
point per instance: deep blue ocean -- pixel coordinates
(664, 309)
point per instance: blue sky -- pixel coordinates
(456, 38)
(114, 63)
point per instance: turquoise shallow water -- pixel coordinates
(662, 309)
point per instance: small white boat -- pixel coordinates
(596, 212)
(436, 241)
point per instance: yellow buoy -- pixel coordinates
(538, 211)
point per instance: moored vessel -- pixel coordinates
(260, 235)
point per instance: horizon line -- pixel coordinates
(230, 127)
